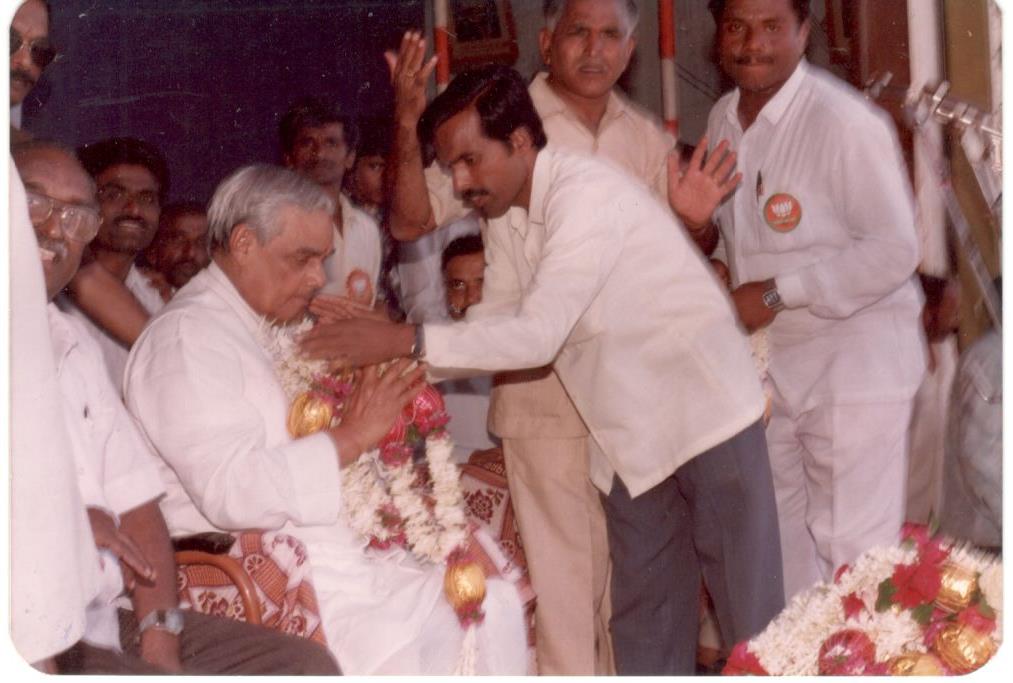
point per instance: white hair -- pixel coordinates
(553, 10)
(253, 195)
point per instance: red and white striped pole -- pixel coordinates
(441, 44)
(666, 48)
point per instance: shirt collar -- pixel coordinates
(778, 104)
(220, 282)
(61, 332)
(540, 177)
(16, 115)
(548, 103)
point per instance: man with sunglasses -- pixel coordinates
(131, 178)
(31, 53)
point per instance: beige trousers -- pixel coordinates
(562, 527)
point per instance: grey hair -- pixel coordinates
(552, 10)
(253, 195)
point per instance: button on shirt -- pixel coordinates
(821, 156)
(597, 277)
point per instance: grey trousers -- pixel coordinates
(208, 645)
(715, 516)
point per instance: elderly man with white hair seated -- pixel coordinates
(209, 395)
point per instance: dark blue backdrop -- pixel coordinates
(206, 81)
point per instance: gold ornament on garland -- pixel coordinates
(963, 648)
(308, 415)
(916, 664)
(957, 587)
(464, 585)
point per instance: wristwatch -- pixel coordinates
(168, 620)
(771, 297)
(419, 345)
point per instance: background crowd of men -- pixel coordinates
(552, 235)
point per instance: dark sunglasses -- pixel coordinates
(41, 51)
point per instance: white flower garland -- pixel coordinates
(372, 489)
(791, 642)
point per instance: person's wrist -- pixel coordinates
(161, 648)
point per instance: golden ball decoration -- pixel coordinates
(464, 585)
(308, 415)
(916, 664)
(964, 649)
(957, 587)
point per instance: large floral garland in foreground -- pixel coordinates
(928, 607)
(386, 497)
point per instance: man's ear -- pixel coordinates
(349, 161)
(241, 240)
(544, 43)
(521, 139)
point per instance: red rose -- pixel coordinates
(841, 571)
(849, 652)
(853, 605)
(916, 583)
(742, 662)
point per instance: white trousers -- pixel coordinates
(840, 475)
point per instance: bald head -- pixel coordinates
(62, 208)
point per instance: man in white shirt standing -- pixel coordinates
(586, 45)
(822, 249)
(319, 142)
(665, 383)
(131, 179)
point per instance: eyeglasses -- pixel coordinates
(41, 51)
(78, 223)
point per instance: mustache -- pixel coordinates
(130, 218)
(22, 75)
(58, 247)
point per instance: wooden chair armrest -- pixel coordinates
(235, 572)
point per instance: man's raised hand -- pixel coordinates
(694, 193)
(409, 73)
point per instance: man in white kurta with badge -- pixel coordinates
(664, 382)
(822, 248)
(205, 389)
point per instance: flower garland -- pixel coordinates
(386, 497)
(927, 606)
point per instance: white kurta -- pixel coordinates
(597, 278)
(53, 559)
(114, 351)
(357, 249)
(851, 331)
(116, 470)
(206, 395)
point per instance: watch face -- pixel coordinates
(174, 620)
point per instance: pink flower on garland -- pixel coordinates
(973, 618)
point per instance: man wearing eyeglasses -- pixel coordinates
(131, 178)
(31, 52)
